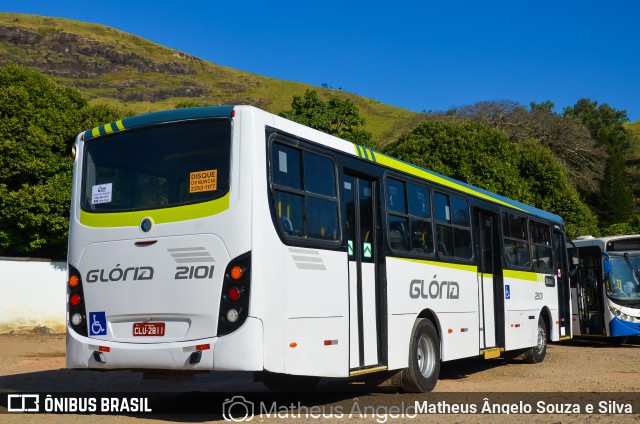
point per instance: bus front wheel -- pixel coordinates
(424, 359)
(536, 354)
(617, 341)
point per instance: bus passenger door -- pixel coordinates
(589, 292)
(364, 320)
(490, 299)
(561, 267)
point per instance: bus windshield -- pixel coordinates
(157, 166)
(623, 282)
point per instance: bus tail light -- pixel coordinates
(74, 299)
(236, 272)
(234, 301)
(74, 281)
(234, 293)
(76, 312)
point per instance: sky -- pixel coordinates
(419, 55)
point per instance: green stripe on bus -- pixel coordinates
(461, 267)
(158, 216)
(105, 129)
(365, 153)
(523, 275)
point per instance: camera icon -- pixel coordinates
(237, 409)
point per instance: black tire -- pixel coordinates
(617, 341)
(288, 383)
(424, 359)
(536, 354)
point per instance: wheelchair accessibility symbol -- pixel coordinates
(97, 324)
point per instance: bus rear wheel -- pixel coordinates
(424, 359)
(536, 354)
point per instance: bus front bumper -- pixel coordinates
(619, 328)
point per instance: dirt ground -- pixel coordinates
(35, 363)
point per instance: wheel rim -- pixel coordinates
(426, 356)
(542, 340)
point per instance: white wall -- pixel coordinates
(32, 293)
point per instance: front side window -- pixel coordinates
(157, 166)
(304, 193)
(453, 229)
(516, 244)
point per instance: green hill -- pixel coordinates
(117, 68)
(634, 128)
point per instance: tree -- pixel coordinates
(616, 198)
(339, 117)
(469, 152)
(546, 106)
(38, 122)
(605, 123)
(485, 157)
(550, 189)
(571, 143)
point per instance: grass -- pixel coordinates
(223, 85)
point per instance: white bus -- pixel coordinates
(228, 238)
(606, 294)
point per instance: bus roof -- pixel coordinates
(360, 151)
(619, 243)
(159, 117)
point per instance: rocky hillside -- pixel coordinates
(115, 67)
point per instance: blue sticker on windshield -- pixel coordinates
(97, 324)
(507, 292)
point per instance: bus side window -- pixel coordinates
(540, 246)
(453, 229)
(289, 212)
(409, 217)
(304, 193)
(516, 242)
(398, 233)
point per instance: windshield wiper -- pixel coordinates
(635, 269)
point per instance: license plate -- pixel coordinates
(148, 328)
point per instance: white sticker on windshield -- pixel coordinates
(101, 193)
